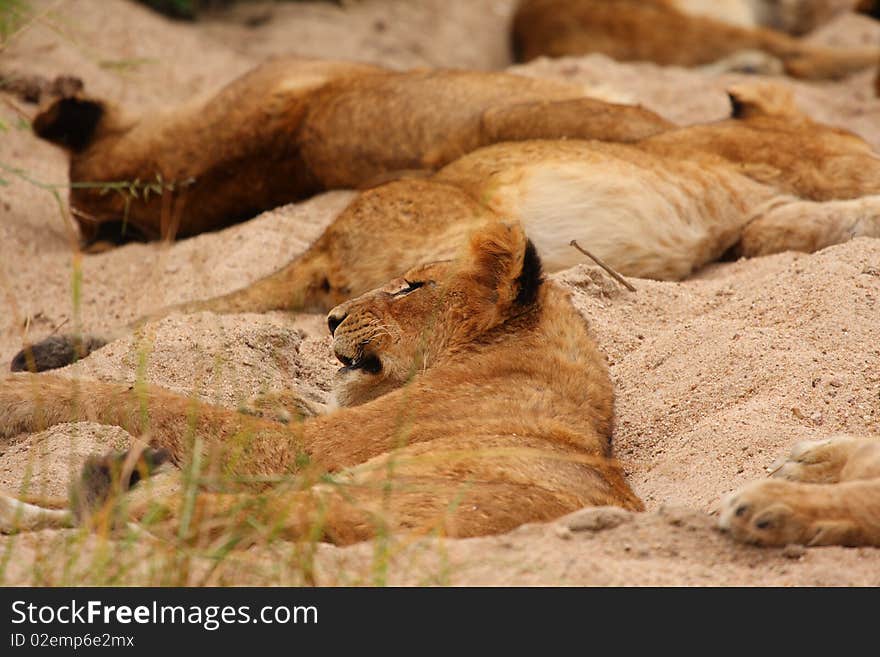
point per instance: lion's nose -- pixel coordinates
(334, 319)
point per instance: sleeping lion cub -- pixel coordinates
(473, 400)
(294, 127)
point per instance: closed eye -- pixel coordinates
(411, 286)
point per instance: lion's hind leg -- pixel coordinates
(344, 513)
(809, 226)
(414, 492)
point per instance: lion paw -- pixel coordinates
(816, 461)
(284, 407)
(781, 513)
(758, 513)
(748, 62)
(101, 476)
(54, 352)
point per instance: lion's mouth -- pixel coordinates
(366, 362)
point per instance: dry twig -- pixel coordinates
(617, 277)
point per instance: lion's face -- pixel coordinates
(385, 337)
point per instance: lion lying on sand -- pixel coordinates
(293, 127)
(473, 400)
(687, 33)
(765, 181)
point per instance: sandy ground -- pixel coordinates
(715, 376)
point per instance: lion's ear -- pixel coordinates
(70, 122)
(505, 263)
(748, 100)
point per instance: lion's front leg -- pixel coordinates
(781, 512)
(33, 403)
(236, 442)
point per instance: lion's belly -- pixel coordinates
(645, 221)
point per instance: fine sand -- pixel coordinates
(715, 376)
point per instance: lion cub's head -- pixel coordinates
(385, 337)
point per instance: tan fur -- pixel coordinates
(646, 216)
(829, 494)
(18, 515)
(665, 32)
(291, 128)
(790, 16)
(794, 225)
(766, 181)
(491, 407)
